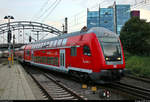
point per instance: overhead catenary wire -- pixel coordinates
(141, 4)
(51, 11)
(40, 10)
(48, 9)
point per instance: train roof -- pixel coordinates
(99, 31)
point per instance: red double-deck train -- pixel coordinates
(96, 54)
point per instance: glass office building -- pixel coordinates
(107, 18)
(112, 18)
(122, 15)
(93, 19)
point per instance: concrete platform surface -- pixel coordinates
(13, 84)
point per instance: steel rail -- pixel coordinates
(138, 78)
(134, 90)
(53, 88)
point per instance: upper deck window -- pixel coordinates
(55, 42)
(64, 42)
(59, 42)
(49, 44)
(52, 43)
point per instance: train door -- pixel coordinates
(62, 59)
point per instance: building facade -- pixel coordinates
(107, 18)
(135, 13)
(93, 19)
(112, 18)
(122, 15)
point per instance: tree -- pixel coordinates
(135, 36)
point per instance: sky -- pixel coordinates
(32, 9)
(44, 12)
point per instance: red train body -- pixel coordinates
(95, 54)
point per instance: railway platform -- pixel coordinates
(15, 85)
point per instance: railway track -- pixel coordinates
(53, 89)
(147, 80)
(134, 90)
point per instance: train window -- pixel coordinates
(46, 45)
(57, 61)
(55, 42)
(73, 51)
(36, 58)
(86, 50)
(28, 52)
(48, 60)
(52, 44)
(42, 59)
(45, 59)
(42, 45)
(51, 60)
(59, 42)
(64, 42)
(49, 44)
(39, 46)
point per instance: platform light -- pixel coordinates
(9, 38)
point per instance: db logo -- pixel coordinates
(115, 66)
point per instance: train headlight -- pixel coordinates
(107, 58)
(118, 58)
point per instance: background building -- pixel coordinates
(135, 13)
(122, 15)
(112, 18)
(107, 18)
(92, 19)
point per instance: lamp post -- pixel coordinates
(9, 38)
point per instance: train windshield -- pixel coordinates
(111, 48)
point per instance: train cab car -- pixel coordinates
(96, 54)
